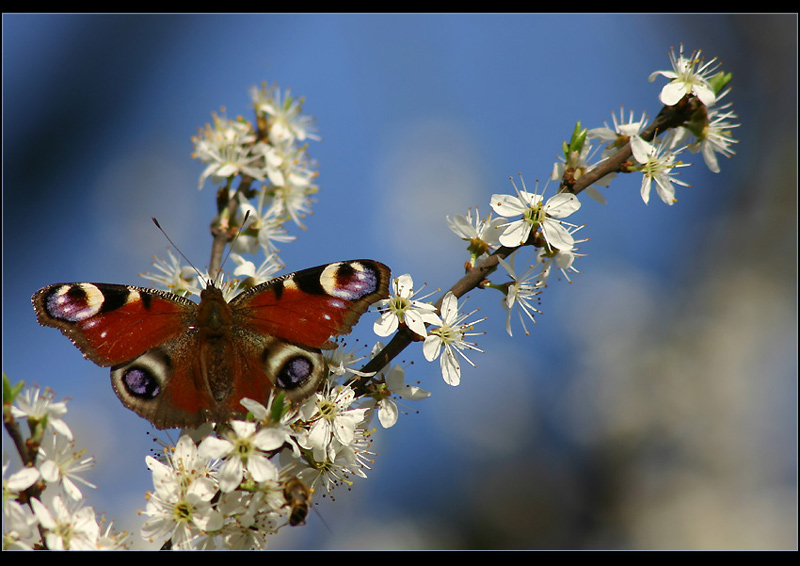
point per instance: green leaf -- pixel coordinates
(10, 392)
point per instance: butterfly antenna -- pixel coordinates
(233, 241)
(186, 259)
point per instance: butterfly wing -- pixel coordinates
(112, 324)
(310, 306)
(145, 335)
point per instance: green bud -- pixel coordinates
(278, 407)
(576, 142)
(10, 392)
(720, 81)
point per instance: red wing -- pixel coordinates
(310, 306)
(186, 382)
(168, 387)
(112, 324)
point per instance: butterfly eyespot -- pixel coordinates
(349, 280)
(139, 383)
(73, 303)
(142, 379)
(295, 369)
(295, 372)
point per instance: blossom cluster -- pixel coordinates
(270, 153)
(43, 502)
(235, 484)
(526, 219)
(331, 450)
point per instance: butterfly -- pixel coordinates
(178, 363)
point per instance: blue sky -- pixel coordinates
(421, 116)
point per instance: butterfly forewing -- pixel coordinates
(313, 305)
(111, 323)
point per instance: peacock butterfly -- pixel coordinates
(178, 363)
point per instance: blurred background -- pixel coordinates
(653, 406)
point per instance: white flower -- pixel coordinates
(66, 529)
(356, 455)
(59, 462)
(181, 515)
(333, 418)
(287, 122)
(395, 384)
(293, 198)
(180, 509)
(242, 451)
(18, 521)
(712, 136)
(183, 466)
(614, 139)
(266, 271)
(558, 259)
(578, 164)
(229, 148)
(31, 404)
(403, 308)
(17, 482)
(657, 163)
(481, 235)
(340, 362)
(19, 525)
(260, 227)
(273, 160)
(340, 464)
(274, 433)
(448, 339)
(112, 540)
(622, 128)
(687, 78)
(181, 280)
(535, 215)
(254, 516)
(717, 137)
(270, 232)
(520, 291)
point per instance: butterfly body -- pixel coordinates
(178, 363)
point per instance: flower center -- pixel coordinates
(534, 215)
(182, 512)
(327, 410)
(399, 305)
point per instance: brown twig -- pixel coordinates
(668, 117)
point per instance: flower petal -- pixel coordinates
(507, 205)
(672, 93)
(556, 235)
(385, 325)
(387, 413)
(431, 347)
(562, 205)
(641, 149)
(515, 234)
(415, 322)
(451, 371)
